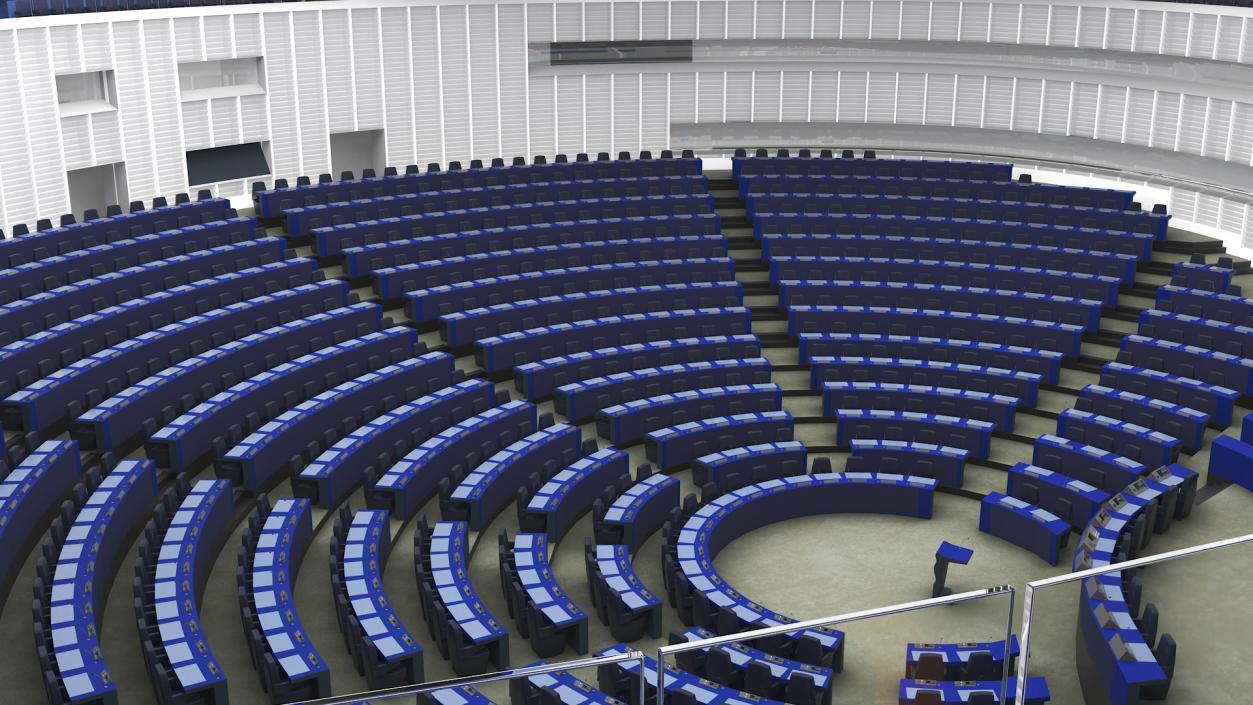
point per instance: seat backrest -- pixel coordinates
(929, 667)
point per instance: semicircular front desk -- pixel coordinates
(718, 523)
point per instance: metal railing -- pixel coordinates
(860, 615)
(1029, 594)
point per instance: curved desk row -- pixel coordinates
(272, 203)
(430, 304)
(49, 272)
(375, 446)
(538, 380)
(383, 649)
(579, 401)
(1002, 302)
(1208, 366)
(40, 312)
(628, 423)
(210, 428)
(1046, 364)
(675, 446)
(363, 260)
(916, 238)
(1211, 399)
(502, 352)
(289, 665)
(394, 282)
(67, 608)
(737, 467)
(754, 671)
(141, 325)
(971, 434)
(181, 664)
(555, 507)
(467, 632)
(545, 614)
(448, 456)
(1078, 285)
(826, 165)
(140, 409)
(1059, 337)
(929, 186)
(283, 445)
(301, 221)
(944, 464)
(1187, 425)
(621, 599)
(704, 597)
(465, 327)
(494, 483)
(333, 240)
(921, 398)
(28, 493)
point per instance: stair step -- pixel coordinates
(1188, 247)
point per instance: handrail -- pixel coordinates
(1032, 586)
(859, 615)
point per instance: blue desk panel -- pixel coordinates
(1045, 363)
(1024, 525)
(563, 498)
(674, 446)
(537, 380)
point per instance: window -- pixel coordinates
(218, 164)
(620, 52)
(202, 80)
(82, 93)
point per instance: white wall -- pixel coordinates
(454, 82)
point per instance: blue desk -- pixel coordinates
(1081, 285)
(1074, 501)
(429, 304)
(1174, 420)
(1100, 468)
(298, 669)
(1060, 337)
(93, 547)
(719, 522)
(964, 297)
(363, 260)
(956, 656)
(566, 496)
(552, 620)
(628, 423)
(1024, 525)
(185, 559)
(502, 352)
(194, 437)
(783, 671)
(1196, 275)
(1205, 304)
(951, 187)
(1233, 338)
(620, 597)
(114, 423)
(639, 511)
(922, 242)
(494, 483)
(267, 453)
(537, 380)
(1044, 363)
(1232, 460)
(389, 653)
(368, 449)
(960, 691)
(1138, 443)
(28, 493)
(407, 485)
(996, 409)
(579, 401)
(944, 464)
(561, 686)
(622, 681)
(68, 391)
(1209, 366)
(674, 446)
(462, 328)
(971, 434)
(1215, 400)
(480, 636)
(737, 467)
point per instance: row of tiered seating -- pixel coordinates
(176, 554)
(382, 648)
